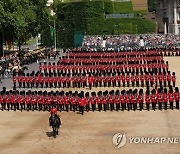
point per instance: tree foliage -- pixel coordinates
(22, 18)
(151, 5)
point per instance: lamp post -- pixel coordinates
(53, 14)
(49, 4)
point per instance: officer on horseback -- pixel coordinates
(53, 111)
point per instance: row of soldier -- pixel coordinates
(49, 68)
(114, 54)
(109, 61)
(112, 100)
(98, 80)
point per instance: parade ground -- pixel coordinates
(30, 133)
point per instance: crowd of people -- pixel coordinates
(133, 41)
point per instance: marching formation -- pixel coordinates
(142, 80)
(107, 100)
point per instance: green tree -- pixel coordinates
(151, 5)
(21, 19)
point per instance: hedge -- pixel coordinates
(89, 17)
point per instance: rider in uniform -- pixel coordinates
(54, 111)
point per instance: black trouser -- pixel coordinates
(87, 107)
(148, 106)
(39, 106)
(84, 84)
(105, 107)
(164, 83)
(140, 106)
(177, 105)
(117, 107)
(165, 105)
(90, 86)
(14, 86)
(111, 106)
(46, 84)
(67, 107)
(147, 83)
(28, 106)
(114, 83)
(82, 109)
(42, 83)
(20, 84)
(160, 105)
(123, 105)
(93, 107)
(171, 105)
(100, 84)
(37, 84)
(59, 84)
(154, 106)
(133, 83)
(74, 107)
(24, 84)
(142, 83)
(137, 83)
(169, 83)
(134, 106)
(100, 107)
(128, 83)
(60, 107)
(173, 84)
(79, 84)
(3, 106)
(8, 106)
(119, 83)
(55, 84)
(128, 106)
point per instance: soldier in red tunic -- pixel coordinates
(147, 100)
(140, 99)
(171, 98)
(173, 79)
(165, 98)
(116, 100)
(176, 97)
(159, 98)
(153, 99)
